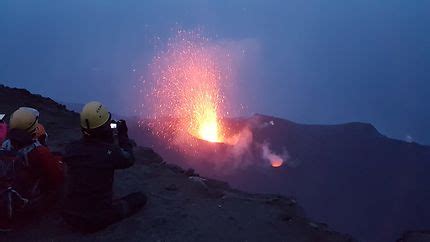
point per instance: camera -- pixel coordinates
(113, 124)
(118, 126)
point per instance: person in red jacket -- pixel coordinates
(39, 182)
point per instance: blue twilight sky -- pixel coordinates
(310, 61)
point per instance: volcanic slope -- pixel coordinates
(351, 172)
(347, 175)
(182, 206)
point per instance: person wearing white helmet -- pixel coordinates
(91, 163)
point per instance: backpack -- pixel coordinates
(15, 194)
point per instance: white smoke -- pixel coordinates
(276, 160)
(241, 142)
(244, 151)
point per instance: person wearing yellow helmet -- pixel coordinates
(36, 176)
(91, 163)
(27, 119)
(25, 134)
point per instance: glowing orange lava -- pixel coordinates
(186, 87)
(274, 159)
(208, 127)
(276, 163)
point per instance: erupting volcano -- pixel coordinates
(187, 104)
(186, 88)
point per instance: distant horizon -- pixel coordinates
(134, 115)
(125, 115)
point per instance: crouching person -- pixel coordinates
(89, 205)
(30, 175)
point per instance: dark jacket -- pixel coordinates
(90, 168)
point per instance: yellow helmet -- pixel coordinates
(94, 115)
(24, 119)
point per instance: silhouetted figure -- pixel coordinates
(91, 161)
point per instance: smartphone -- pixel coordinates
(113, 125)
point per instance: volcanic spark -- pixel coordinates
(187, 87)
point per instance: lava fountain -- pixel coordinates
(207, 123)
(186, 88)
(185, 103)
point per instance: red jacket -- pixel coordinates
(43, 164)
(50, 166)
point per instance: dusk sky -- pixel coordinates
(308, 61)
